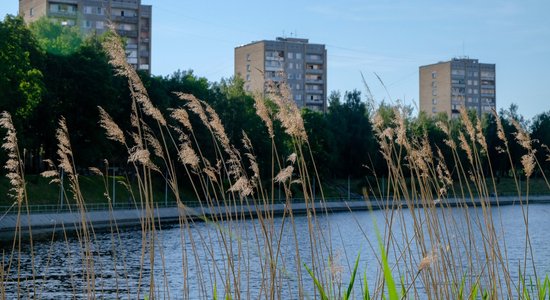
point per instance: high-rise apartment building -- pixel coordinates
(304, 66)
(130, 18)
(460, 82)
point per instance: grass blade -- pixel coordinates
(317, 284)
(352, 279)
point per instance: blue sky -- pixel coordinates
(389, 38)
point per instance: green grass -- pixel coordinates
(42, 192)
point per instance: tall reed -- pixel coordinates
(429, 243)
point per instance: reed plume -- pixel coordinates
(14, 165)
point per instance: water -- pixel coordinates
(185, 268)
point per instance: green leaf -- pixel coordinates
(392, 290)
(461, 290)
(352, 279)
(317, 284)
(366, 296)
(475, 290)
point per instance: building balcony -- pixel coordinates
(65, 14)
(127, 33)
(272, 68)
(315, 103)
(318, 81)
(314, 71)
(66, 1)
(315, 92)
(124, 19)
(124, 4)
(276, 58)
(314, 60)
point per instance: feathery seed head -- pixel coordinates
(466, 147)
(242, 186)
(528, 162)
(182, 116)
(284, 174)
(113, 131)
(263, 112)
(188, 156)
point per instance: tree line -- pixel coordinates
(48, 71)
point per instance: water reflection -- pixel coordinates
(190, 262)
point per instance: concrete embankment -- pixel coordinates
(46, 223)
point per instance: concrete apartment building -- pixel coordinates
(460, 82)
(303, 64)
(130, 18)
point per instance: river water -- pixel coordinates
(194, 268)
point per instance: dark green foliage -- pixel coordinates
(21, 77)
(540, 132)
(48, 71)
(353, 135)
(55, 38)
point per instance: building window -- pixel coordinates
(247, 88)
(248, 57)
(290, 55)
(433, 110)
(298, 97)
(87, 24)
(434, 84)
(31, 12)
(298, 55)
(475, 91)
(475, 82)
(434, 101)
(290, 65)
(248, 68)
(434, 75)
(122, 13)
(434, 92)
(100, 11)
(298, 86)
(290, 76)
(299, 76)
(99, 25)
(247, 77)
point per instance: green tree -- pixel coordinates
(352, 133)
(21, 78)
(55, 38)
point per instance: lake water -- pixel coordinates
(186, 268)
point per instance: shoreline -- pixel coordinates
(42, 224)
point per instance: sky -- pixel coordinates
(379, 39)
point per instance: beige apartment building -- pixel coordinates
(131, 19)
(460, 82)
(303, 65)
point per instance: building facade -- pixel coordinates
(303, 65)
(460, 82)
(130, 18)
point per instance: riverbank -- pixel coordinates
(44, 224)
